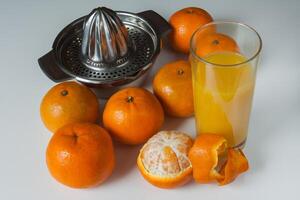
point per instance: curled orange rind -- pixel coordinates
(212, 160)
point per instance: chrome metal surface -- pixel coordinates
(106, 50)
(143, 50)
(105, 39)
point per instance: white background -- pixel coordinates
(27, 30)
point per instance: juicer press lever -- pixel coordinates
(159, 24)
(51, 69)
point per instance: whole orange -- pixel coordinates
(132, 115)
(184, 23)
(172, 85)
(68, 102)
(215, 42)
(80, 155)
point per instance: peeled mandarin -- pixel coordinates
(163, 160)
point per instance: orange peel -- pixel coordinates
(206, 158)
(237, 163)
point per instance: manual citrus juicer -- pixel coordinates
(106, 50)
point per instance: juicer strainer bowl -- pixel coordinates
(67, 59)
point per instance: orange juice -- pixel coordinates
(223, 93)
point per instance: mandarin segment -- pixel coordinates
(163, 160)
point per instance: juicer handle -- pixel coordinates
(159, 24)
(51, 69)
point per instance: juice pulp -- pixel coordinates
(223, 95)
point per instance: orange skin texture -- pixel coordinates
(166, 183)
(68, 102)
(80, 155)
(215, 42)
(237, 163)
(185, 22)
(204, 158)
(173, 87)
(133, 121)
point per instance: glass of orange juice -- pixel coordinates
(224, 57)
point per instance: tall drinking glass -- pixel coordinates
(224, 57)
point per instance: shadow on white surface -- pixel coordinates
(126, 156)
(173, 123)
